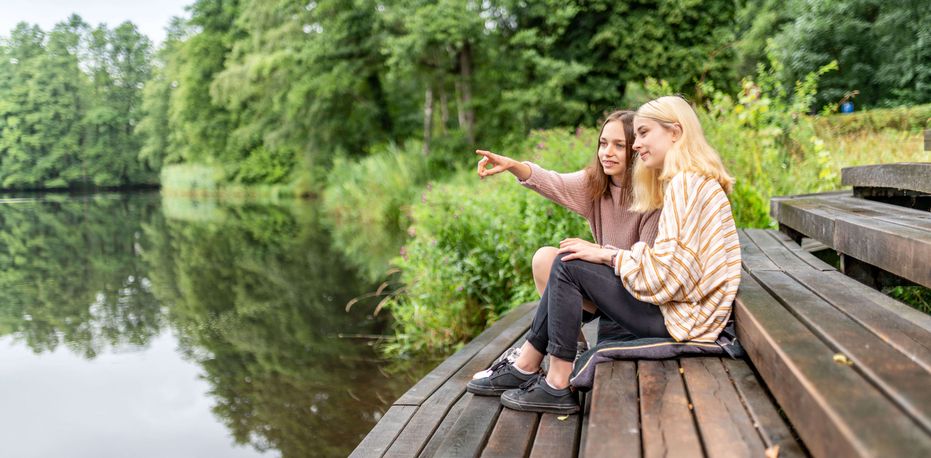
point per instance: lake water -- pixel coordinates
(136, 325)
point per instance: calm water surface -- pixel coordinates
(140, 326)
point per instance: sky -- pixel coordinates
(150, 16)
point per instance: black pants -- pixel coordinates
(555, 327)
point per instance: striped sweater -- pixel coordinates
(693, 269)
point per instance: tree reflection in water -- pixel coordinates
(254, 292)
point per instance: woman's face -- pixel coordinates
(653, 140)
(612, 149)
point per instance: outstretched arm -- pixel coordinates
(499, 164)
(566, 189)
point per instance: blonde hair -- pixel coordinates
(690, 153)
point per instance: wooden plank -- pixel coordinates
(384, 432)
(614, 417)
(513, 434)
(855, 206)
(668, 426)
(808, 216)
(468, 434)
(751, 256)
(902, 379)
(802, 253)
(901, 250)
(779, 254)
(725, 426)
(897, 324)
(912, 176)
(771, 427)
(895, 239)
(586, 408)
(441, 431)
(897, 214)
(835, 410)
(431, 413)
(556, 438)
(427, 385)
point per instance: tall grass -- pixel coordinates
(367, 201)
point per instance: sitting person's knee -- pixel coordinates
(543, 258)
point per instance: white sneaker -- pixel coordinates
(510, 356)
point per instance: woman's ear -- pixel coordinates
(676, 131)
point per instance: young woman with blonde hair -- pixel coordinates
(682, 287)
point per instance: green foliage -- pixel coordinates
(910, 119)
(192, 178)
(69, 100)
(274, 90)
(469, 259)
(918, 297)
(366, 202)
(881, 48)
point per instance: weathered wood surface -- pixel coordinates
(668, 428)
(795, 319)
(834, 409)
(613, 417)
(889, 237)
(909, 176)
(428, 402)
(730, 404)
(848, 366)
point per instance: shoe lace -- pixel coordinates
(531, 382)
(497, 366)
(509, 357)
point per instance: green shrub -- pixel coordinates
(910, 119)
(191, 177)
(366, 201)
(918, 297)
(469, 259)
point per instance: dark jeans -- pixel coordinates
(555, 327)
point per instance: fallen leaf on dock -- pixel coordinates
(841, 358)
(562, 418)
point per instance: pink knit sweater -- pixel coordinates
(611, 221)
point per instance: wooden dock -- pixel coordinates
(689, 407)
(834, 367)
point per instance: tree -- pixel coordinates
(69, 104)
(881, 48)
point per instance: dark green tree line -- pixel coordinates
(70, 99)
(268, 92)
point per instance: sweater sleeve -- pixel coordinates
(566, 189)
(649, 225)
(670, 270)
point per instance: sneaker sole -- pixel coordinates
(484, 391)
(534, 407)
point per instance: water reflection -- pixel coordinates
(253, 294)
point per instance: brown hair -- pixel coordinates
(598, 182)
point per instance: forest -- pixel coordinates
(257, 93)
